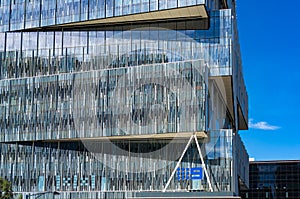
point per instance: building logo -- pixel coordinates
(194, 173)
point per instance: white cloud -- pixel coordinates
(262, 125)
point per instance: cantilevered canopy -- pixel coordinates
(161, 136)
(193, 17)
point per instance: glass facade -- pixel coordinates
(62, 167)
(55, 107)
(24, 14)
(112, 113)
(274, 179)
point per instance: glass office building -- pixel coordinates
(122, 98)
(274, 180)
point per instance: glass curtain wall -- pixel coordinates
(41, 72)
(94, 84)
(140, 100)
(26, 14)
(69, 167)
(49, 50)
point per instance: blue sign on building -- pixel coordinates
(195, 173)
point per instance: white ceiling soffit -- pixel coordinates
(192, 12)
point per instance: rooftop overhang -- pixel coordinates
(192, 17)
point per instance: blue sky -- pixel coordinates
(269, 33)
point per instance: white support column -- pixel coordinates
(178, 163)
(204, 166)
